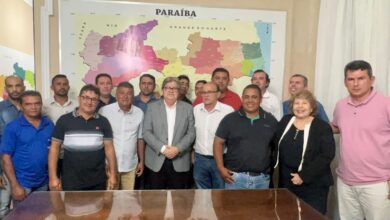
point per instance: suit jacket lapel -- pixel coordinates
(163, 117)
(179, 116)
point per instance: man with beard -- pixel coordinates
(184, 87)
(9, 110)
(147, 84)
(59, 104)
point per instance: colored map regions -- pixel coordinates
(124, 56)
(206, 54)
(264, 30)
(26, 75)
(2, 86)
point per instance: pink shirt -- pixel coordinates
(364, 139)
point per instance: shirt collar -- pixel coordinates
(172, 107)
(24, 122)
(217, 107)
(227, 93)
(120, 110)
(112, 99)
(76, 114)
(242, 113)
(372, 94)
(266, 94)
(138, 98)
(52, 101)
(8, 103)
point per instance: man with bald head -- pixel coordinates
(9, 110)
(208, 115)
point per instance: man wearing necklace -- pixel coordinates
(305, 150)
(247, 134)
(363, 121)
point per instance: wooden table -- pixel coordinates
(166, 204)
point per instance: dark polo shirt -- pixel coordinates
(84, 155)
(101, 104)
(248, 141)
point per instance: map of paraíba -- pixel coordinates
(125, 55)
(128, 39)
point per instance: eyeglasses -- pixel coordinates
(89, 99)
(171, 88)
(207, 92)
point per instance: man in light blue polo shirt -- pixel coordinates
(25, 146)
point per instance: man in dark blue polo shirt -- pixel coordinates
(147, 84)
(25, 146)
(104, 82)
(87, 140)
(247, 134)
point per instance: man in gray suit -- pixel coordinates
(169, 133)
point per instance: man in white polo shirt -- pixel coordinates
(60, 104)
(207, 117)
(126, 122)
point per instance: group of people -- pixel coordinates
(105, 142)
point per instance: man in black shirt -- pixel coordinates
(104, 83)
(247, 135)
(87, 139)
(184, 87)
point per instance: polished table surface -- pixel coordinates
(166, 204)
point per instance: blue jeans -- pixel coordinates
(206, 174)
(45, 187)
(5, 198)
(244, 181)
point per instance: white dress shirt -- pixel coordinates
(272, 104)
(54, 110)
(127, 129)
(206, 124)
(171, 119)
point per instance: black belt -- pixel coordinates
(206, 156)
(253, 173)
(265, 172)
